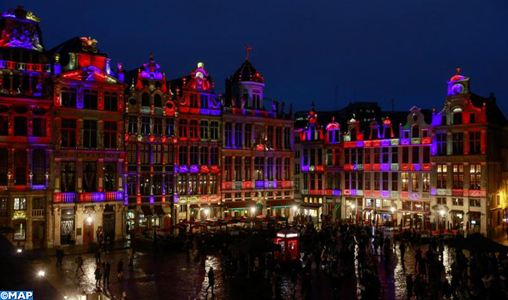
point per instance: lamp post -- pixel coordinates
(442, 213)
(392, 209)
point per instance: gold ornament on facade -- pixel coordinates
(89, 44)
(30, 16)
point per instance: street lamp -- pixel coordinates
(207, 211)
(41, 273)
(253, 210)
(442, 213)
(89, 220)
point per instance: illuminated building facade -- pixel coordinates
(198, 148)
(433, 170)
(25, 144)
(257, 149)
(87, 133)
(469, 161)
(150, 139)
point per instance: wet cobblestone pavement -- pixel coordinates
(174, 276)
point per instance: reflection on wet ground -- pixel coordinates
(175, 276)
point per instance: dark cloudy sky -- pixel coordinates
(370, 50)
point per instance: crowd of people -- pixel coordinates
(338, 255)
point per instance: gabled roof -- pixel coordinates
(76, 45)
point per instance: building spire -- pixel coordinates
(247, 49)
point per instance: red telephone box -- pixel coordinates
(288, 241)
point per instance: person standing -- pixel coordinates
(98, 275)
(79, 263)
(119, 270)
(105, 276)
(211, 279)
(98, 256)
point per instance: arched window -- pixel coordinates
(157, 100)
(457, 116)
(145, 99)
(415, 131)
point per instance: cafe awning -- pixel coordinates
(310, 205)
(281, 203)
(239, 204)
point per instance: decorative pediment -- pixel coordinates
(90, 73)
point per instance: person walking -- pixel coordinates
(98, 256)
(211, 279)
(105, 276)
(119, 270)
(79, 264)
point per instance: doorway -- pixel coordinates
(87, 231)
(38, 234)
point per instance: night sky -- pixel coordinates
(372, 50)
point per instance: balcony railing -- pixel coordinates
(38, 212)
(88, 197)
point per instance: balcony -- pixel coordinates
(65, 197)
(88, 197)
(38, 213)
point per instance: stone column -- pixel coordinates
(119, 222)
(28, 236)
(78, 223)
(57, 213)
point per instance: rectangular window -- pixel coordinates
(228, 131)
(405, 155)
(238, 168)
(110, 135)
(39, 167)
(320, 156)
(157, 126)
(474, 202)
(385, 181)
(320, 182)
(157, 184)
(287, 138)
(145, 188)
(384, 154)
(170, 127)
(90, 134)
(132, 156)
(269, 136)
(377, 153)
(214, 130)
(287, 169)
(228, 168)
(4, 165)
(441, 201)
(145, 125)
(194, 100)
(457, 201)
(426, 155)
(405, 181)
(69, 133)
(90, 176)
(214, 156)
(306, 157)
(68, 176)
(194, 155)
(39, 203)
(203, 130)
(368, 155)
(306, 181)
(441, 176)
(90, 99)
(336, 157)
(204, 101)
(269, 168)
(377, 181)
(329, 157)
(169, 181)
(238, 135)
(110, 101)
(441, 143)
(157, 156)
(458, 176)
(168, 156)
(395, 182)
(4, 125)
(182, 128)
(458, 143)
(415, 185)
(416, 155)
(475, 176)
(19, 231)
(144, 152)
(131, 185)
(368, 180)
(426, 182)
(109, 176)
(133, 125)
(20, 167)
(19, 203)
(312, 157)
(182, 155)
(278, 168)
(259, 164)
(312, 181)
(278, 138)
(395, 155)
(68, 97)
(39, 127)
(203, 156)
(193, 129)
(248, 136)
(472, 118)
(213, 184)
(475, 142)
(247, 168)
